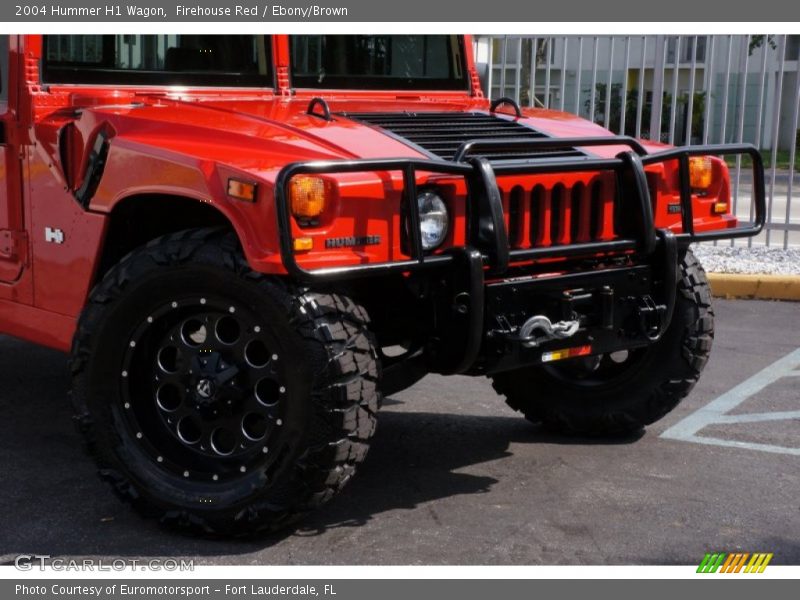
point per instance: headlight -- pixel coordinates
(433, 219)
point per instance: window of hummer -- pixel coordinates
(379, 62)
(199, 60)
(4, 69)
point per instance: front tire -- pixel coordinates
(622, 392)
(217, 399)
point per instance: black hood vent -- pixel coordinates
(440, 134)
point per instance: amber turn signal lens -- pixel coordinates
(242, 190)
(719, 208)
(700, 172)
(303, 244)
(307, 195)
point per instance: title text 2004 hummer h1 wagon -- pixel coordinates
(246, 240)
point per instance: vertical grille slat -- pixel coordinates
(539, 210)
(558, 212)
(516, 210)
(567, 214)
(576, 213)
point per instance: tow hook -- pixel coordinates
(651, 316)
(539, 329)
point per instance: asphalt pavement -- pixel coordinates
(456, 477)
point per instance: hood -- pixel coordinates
(350, 136)
(250, 135)
(263, 135)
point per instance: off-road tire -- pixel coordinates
(652, 388)
(333, 396)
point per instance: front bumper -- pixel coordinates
(471, 320)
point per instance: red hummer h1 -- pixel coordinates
(245, 241)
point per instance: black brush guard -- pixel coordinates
(488, 249)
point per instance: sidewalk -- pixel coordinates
(766, 273)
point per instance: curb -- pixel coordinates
(761, 287)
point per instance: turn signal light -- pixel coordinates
(719, 208)
(700, 172)
(243, 190)
(307, 196)
(303, 244)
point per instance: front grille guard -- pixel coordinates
(487, 230)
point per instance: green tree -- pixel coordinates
(757, 41)
(631, 106)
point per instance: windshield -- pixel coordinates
(380, 62)
(203, 60)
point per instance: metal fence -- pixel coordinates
(675, 89)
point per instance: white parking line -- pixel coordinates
(715, 412)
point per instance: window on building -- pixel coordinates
(792, 47)
(687, 49)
